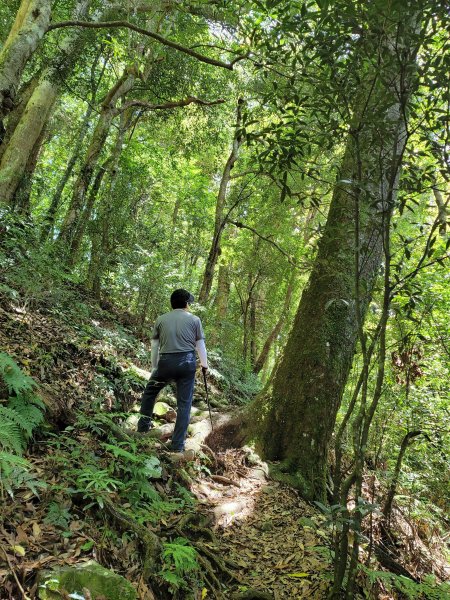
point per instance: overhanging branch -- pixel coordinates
(151, 34)
(266, 239)
(173, 104)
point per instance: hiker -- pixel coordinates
(176, 336)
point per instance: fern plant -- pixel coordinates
(22, 412)
(180, 564)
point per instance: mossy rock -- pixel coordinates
(100, 582)
(161, 408)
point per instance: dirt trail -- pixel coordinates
(270, 539)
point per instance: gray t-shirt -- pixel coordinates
(177, 331)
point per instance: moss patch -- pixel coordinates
(100, 582)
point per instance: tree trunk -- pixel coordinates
(29, 130)
(223, 293)
(32, 20)
(310, 378)
(109, 111)
(264, 354)
(15, 115)
(101, 242)
(49, 219)
(86, 215)
(21, 199)
(214, 251)
(442, 210)
(387, 508)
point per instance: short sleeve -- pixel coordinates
(199, 335)
(155, 334)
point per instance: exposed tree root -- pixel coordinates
(150, 542)
(216, 559)
(253, 595)
(214, 583)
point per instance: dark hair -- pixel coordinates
(181, 298)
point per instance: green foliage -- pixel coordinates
(19, 418)
(428, 589)
(15, 379)
(58, 515)
(180, 564)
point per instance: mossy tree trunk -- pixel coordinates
(18, 154)
(300, 411)
(30, 25)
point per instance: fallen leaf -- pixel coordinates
(298, 574)
(19, 550)
(36, 531)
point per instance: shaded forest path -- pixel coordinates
(269, 539)
(255, 538)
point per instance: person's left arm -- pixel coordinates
(200, 345)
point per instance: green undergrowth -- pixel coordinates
(21, 412)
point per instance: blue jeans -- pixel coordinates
(179, 367)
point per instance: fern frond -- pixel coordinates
(9, 461)
(29, 415)
(11, 435)
(16, 381)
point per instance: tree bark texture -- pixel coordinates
(30, 25)
(16, 114)
(214, 251)
(21, 198)
(298, 419)
(38, 110)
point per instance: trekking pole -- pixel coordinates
(207, 397)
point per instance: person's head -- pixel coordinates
(181, 298)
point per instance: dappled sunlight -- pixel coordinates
(275, 541)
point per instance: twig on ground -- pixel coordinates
(11, 568)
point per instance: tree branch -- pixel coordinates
(151, 34)
(266, 239)
(173, 104)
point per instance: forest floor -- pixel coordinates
(250, 533)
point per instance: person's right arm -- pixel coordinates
(155, 347)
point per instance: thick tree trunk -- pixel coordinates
(214, 251)
(17, 155)
(27, 31)
(15, 115)
(21, 199)
(309, 381)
